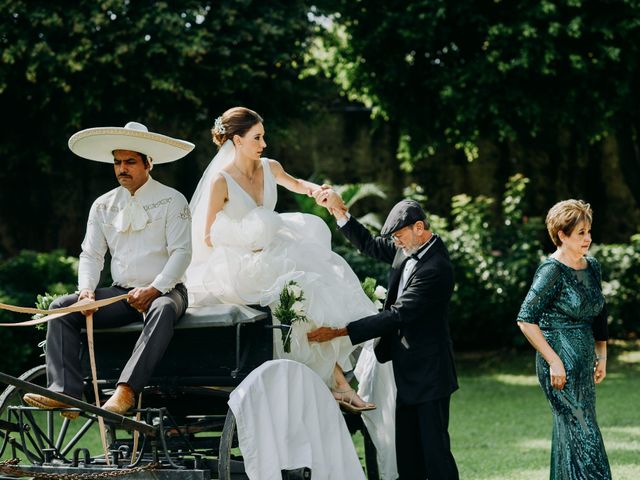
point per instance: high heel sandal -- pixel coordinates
(346, 401)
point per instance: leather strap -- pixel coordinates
(79, 306)
(94, 376)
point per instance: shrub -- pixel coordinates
(22, 279)
(620, 281)
(495, 250)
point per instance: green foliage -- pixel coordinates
(173, 66)
(495, 249)
(502, 69)
(376, 293)
(43, 302)
(449, 73)
(21, 278)
(495, 252)
(369, 287)
(364, 266)
(28, 273)
(620, 280)
(290, 310)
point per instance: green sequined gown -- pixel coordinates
(569, 308)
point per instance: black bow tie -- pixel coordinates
(416, 254)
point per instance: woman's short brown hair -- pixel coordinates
(235, 121)
(564, 216)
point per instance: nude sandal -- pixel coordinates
(346, 401)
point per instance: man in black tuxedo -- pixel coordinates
(414, 334)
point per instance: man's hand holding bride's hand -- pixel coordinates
(327, 197)
(324, 334)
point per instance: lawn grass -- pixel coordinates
(501, 422)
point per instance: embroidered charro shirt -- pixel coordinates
(148, 235)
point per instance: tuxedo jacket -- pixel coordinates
(413, 327)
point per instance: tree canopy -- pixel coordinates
(452, 73)
(171, 65)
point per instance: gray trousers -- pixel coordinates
(64, 372)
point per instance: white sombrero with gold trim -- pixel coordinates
(99, 143)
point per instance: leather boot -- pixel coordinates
(46, 403)
(122, 400)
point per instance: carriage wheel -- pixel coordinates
(228, 467)
(45, 435)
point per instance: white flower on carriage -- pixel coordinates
(377, 304)
(296, 291)
(298, 307)
(380, 292)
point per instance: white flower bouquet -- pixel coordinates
(290, 310)
(376, 293)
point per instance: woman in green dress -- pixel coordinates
(564, 317)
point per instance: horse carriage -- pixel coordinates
(182, 429)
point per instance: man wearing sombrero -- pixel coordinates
(146, 227)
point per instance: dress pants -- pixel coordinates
(64, 338)
(423, 447)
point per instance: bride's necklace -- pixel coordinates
(247, 176)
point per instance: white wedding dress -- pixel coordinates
(256, 252)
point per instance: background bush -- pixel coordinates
(494, 246)
(621, 279)
(22, 278)
(495, 249)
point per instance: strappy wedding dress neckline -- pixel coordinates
(228, 176)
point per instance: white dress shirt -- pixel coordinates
(411, 264)
(148, 235)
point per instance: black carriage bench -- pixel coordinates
(213, 345)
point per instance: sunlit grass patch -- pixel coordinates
(510, 379)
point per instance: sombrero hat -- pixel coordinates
(99, 143)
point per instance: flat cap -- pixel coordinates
(405, 212)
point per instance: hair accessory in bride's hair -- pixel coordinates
(218, 126)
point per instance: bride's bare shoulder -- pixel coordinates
(275, 166)
(219, 184)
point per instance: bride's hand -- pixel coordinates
(318, 191)
(329, 199)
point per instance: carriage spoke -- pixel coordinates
(62, 433)
(90, 421)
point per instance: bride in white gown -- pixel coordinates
(244, 252)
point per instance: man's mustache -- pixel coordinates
(124, 175)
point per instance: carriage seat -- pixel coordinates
(213, 345)
(219, 315)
